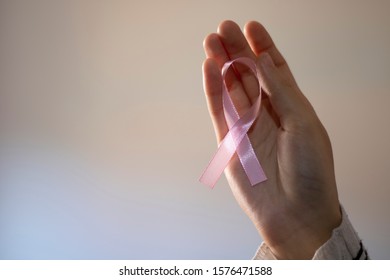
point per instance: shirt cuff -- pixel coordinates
(344, 244)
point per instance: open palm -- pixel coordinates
(297, 208)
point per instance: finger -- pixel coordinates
(212, 84)
(237, 46)
(214, 49)
(288, 103)
(260, 41)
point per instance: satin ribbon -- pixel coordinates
(236, 140)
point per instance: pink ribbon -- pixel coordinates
(236, 140)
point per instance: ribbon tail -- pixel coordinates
(219, 162)
(250, 163)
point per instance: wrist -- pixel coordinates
(304, 239)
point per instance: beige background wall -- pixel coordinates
(104, 129)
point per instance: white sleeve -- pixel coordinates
(344, 244)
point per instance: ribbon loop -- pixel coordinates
(236, 140)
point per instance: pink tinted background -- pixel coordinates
(104, 129)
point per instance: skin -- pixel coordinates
(297, 208)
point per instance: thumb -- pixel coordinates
(285, 98)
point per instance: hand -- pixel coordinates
(297, 208)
